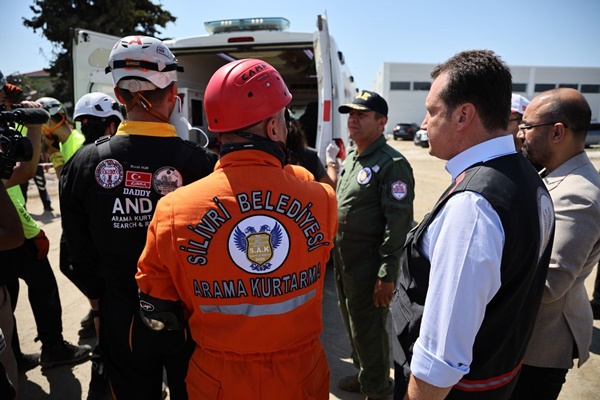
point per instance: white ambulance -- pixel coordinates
(312, 66)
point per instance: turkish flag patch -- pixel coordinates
(140, 180)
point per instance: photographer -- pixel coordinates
(25, 170)
(11, 236)
(29, 261)
(11, 231)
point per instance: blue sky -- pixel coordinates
(522, 32)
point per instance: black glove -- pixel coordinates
(160, 314)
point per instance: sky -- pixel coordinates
(369, 33)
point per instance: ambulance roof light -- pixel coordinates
(247, 24)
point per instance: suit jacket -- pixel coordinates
(565, 316)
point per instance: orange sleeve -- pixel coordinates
(153, 276)
(299, 172)
(333, 214)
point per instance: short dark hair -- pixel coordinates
(573, 112)
(481, 78)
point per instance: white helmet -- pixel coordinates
(52, 105)
(97, 104)
(142, 57)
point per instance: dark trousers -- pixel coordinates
(537, 383)
(366, 327)
(134, 355)
(40, 182)
(43, 294)
(66, 267)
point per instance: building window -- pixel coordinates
(542, 87)
(590, 88)
(568, 85)
(399, 85)
(421, 85)
(519, 87)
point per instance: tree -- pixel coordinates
(120, 18)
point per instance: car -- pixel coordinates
(593, 134)
(421, 139)
(405, 131)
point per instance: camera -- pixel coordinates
(13, 146)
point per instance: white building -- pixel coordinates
(405, 86)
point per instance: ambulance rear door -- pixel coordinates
(90, 52)
(325, 85)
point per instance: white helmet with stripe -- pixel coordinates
(142, 57)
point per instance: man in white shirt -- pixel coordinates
(474, 269)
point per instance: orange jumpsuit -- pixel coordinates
(245, 250)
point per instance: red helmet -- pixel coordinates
(243, 93)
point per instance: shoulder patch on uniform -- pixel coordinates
(109, 173)
(364, 176)
(399, 190)
(166, 180)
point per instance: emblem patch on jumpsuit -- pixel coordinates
(259, 244)
(399, 190)
(364, 176)
(166, 179)
(109, 173)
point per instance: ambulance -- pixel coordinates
(311, 64)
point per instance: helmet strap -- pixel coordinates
(138, 98)
(48, 131)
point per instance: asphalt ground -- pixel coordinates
(71, 382)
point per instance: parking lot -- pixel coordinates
(70, 383)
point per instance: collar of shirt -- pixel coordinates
(143, 128)
(485, 151)
(552, 179)
(380, 142)
(247, 157)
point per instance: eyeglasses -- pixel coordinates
(523, 127)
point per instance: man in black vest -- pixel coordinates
(474, 268)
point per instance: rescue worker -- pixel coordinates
(241, 254)
(109, 192)
(30, 263)
(96, 114)
(62, 141)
